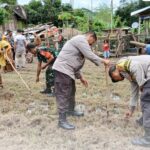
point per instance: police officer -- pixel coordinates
(137, 70)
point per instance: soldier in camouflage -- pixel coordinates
(47, 56)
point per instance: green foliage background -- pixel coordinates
(42, 11)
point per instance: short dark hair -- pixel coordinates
(110, 72)
(9, 31)
(106, 40)
(93, 34)
(140, 51)
(19, 30)
(30, 46)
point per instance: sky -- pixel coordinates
(95, 3)
(82, 3)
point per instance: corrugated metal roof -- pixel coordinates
(19, 10)
(139, 11)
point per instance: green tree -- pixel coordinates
(118, 22)
(34, 12)
(66, 18)
(75, 18)
(102, 18)
(67, 7)
(10, 2)
(81, 23)
(52, 9)
(81, 20)
(42, 11)
(142, 4)
(3, 16)
(98, 25)
(124, 11)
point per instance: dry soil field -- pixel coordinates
(29, 122)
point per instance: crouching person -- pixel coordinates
(47, 56)
(136, 69)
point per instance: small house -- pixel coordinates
(17, 19)
(144, 17)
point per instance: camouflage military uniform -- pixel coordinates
(49, 74)
(51, 42)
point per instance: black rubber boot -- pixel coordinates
(46, 91)
(75, 113)
(143, 141)
(52, 94)
(63, 122)
(71, 109)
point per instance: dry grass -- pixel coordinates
(29, 122)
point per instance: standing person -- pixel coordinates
(5, 54)
(49, 39)
(6, 50)
(45, 55)
(144, 47)
(67, 68)
(10, 39)
(106, 49)
(20, 49)
(141, 51)
(60, 40)
(147, 46)
(137, 70)
(37, 40)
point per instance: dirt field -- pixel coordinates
(29, 122)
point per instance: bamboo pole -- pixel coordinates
(18, 73)
(108, 91)
(138, 43)
(111, 16)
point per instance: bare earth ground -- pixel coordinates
(29, 122)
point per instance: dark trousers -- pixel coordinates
(145, 119)
(65, 92)
(1, 80)
(49, 74)
(13, 52)
(145, 105)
